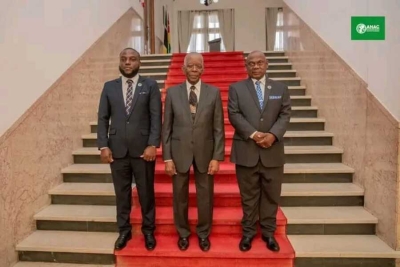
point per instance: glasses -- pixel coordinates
(253, 64)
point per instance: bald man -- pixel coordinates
(259, 110)
(193, 135)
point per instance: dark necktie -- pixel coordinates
(129, 96)
(193, 102)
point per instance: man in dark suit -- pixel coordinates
(133, 103)
(193, 134)
(259, 110)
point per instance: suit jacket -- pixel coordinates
(203, 140)
(129, 134)
(246, 116)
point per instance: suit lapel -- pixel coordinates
(120, 94)
(202, 100)
(139, 87)
(267, 92)
(252, 90)
(185, 101)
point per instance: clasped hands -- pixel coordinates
(264, 140)
(149, 154)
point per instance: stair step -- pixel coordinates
(68, 247)
(225, 168)
(229, 134)
(294, 215)
(293, 154)
(93, 151)
(227, 220)
(224, 250)
(103, 218)
(227, 190)
(293, 173)
(225, 195)
(341, 247)
(329, 215)
(51, 264)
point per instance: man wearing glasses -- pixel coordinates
(193, 134)
(259, 110)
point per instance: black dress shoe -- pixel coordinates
(183, 243)
(271, 243)
(149, 241)
(204, 244)
(245, 243)
(122, 240)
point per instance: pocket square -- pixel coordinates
(142, 93)
(275, 97)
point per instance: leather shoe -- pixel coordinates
(149, 241)
(204, 244)
(183, 243)
(245, 243)
(271, 242)
(122, 240)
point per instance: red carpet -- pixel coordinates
(221, 69)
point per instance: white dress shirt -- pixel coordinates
(197, 90)
(125, 85)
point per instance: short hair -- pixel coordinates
(188, 55)
(130, 48)
(255, 52)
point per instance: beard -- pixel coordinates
(129, 75)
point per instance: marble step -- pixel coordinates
(225, 195)
(291, 138)
(293, 173)
(342, 250)
(68, 247)
(301, 220)
(295, 124)
(293, 154)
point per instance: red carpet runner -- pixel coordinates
(221, 69)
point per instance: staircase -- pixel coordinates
(321, 222)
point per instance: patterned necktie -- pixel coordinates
(129, 96)
(193, 101)
(259, 93)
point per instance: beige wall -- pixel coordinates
(366, 131)
(41, 39)
(376, 62)
(39, 145)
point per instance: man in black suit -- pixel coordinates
(133, 103)
(193, 134)
(259, 110)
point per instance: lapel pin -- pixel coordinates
(139, 84)
(269, 86)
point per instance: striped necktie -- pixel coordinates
(129, 96)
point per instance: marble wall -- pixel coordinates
(39, 144)
(365, 130)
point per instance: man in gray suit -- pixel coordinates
(259, 110)
(193, 134)
(133, 103)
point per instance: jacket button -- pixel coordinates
(261, 119)
(127, 122)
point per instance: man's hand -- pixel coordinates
(267, 141)
(259, 136)
(149, 153)
(213, 167)
(170, 168)
(106, 155)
